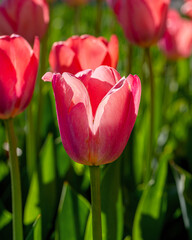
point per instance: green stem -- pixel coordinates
(152, 102)
(76, 19)
(99, 17)
(15, 182)
(96, 202)
(42, 71)
(130, 54)
(30, 143)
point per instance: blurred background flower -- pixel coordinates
(177, 39)
(83, 52)
(28, 18)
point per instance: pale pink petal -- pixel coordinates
(113, 48)
(74, 115)
(7, 85)
(101, 81)
(47, 77)
(63, 59)
(91, 53)
(114, 120)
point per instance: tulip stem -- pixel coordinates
(42, 70)
(99, 17)
(15, 182)
(30, 143)
(95, 202)
(152, 102)
(129, 63)
(76, 19)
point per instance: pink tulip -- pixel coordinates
(96, 111)
(186, 9)
(143, 21)
(83, 52)
(177, 40)
(28, 18)
(19, 65)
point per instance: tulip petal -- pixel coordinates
(91, 53)
(74, 115)
(113, 49)
(7, 85)
(6, 23)
(101, 81)
(114, 120)
(28, 84)
(38, 24)
(63, 59)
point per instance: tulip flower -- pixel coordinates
(96, 111)
(83, 52)
(143, 21)
(19, 65)
(186, 8)
(28, 18)
(177, 40)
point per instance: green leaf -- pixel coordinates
(183, 181)
(111, 202)
(35, 233)
(72, 215)
(5, 216)
(32, 208)
(48, 185)
(152, 207)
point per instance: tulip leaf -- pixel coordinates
(32, 208)
(111, 202)
(35, 233)
(48, 187)
(72, 215)
(5, 222)
(152, 207)
(183, 181)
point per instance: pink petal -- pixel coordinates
(8, 81)
(114, 120)
(28, 84)
(90, 47)
(74, 115)
(63, 59)
(101, 81)
(113, 49)
(47, 77)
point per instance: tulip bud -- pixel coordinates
(96, 111)
(177, 40)
(28, 18)
(19, 65)
(143, 21)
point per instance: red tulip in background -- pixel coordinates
(96, 111)
(83, 52)
(28, 18)
(143, 21)
(177, 39)
(19, 65)
(187, 8)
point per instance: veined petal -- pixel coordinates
(91, 53)
(7, 85)
(63, 59)
(113, 49)
(114, 120)
(101, 81)
(74, 115)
